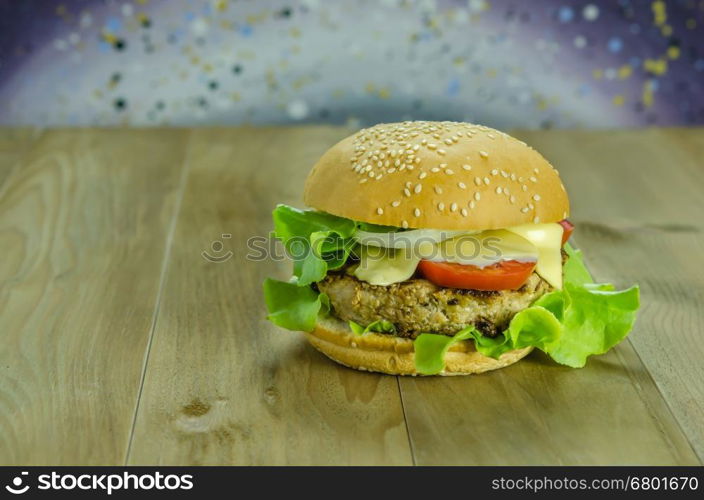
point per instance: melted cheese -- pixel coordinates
(382, 266)
(548, 240)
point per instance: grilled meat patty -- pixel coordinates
(418, 306)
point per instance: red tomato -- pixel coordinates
(504, 275)
(568, 228)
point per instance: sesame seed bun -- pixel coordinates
(439, 175)
(377, 352)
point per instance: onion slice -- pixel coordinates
(407, 239)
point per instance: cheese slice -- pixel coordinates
(384, 266)
(485, 249)
(548, 239)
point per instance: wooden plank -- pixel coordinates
(610, 412)
(14, 144)
(223, 386)
(83, 225)
(646, 228)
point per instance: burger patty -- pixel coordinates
(418, 306)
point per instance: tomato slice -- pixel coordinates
(567, 227)
(504, 275)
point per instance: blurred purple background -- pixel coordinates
(549, 63)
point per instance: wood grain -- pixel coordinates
(646, 227)
(14, 145)
(121, 343)
(83, 230)
(224, 386)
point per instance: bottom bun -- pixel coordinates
(384, 353)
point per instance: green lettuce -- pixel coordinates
(379, 326)
(569, 325)
(292, 306)
(316, 241)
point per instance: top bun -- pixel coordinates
(439, 175)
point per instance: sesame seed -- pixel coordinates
(395, 203)
(417, 189)
(404, 224)
(513, 177)
(443, 165)
(531, 206)
(477, 196)
(438, 189)
(453, 207)
(467, 167)
(441, 206)
(536, 219)
(525, 210)
(478, 181)
(449, 171)
(435, 170)
(416, 212)
(512, 199)
(524, 187)
(464, 212)
(498, 190)
(441, 152)
(432, 146)
(462, 185)
(397, 162)
(494, 171)
(486, 181)
(406, 192)
(536, 197)
(371, 174)
(422, 175)
(402, 167)
(416, 161)
(378, 176)
(533, 179)
(391, 170)
(362, 181)
(408, 184)
(483, 154)
(471, 204)
(536, 170)
(504, 173)
(416, 147)
(380, 211)
(491, 136)
(448, 142)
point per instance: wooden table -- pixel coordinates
(121, 344)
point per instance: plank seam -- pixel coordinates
(658, 389)
(157, 306)
(405, 421)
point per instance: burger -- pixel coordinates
(440, 248)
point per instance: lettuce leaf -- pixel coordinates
(569, 325)
(379, 326)
(316, 241)
(292, 306)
